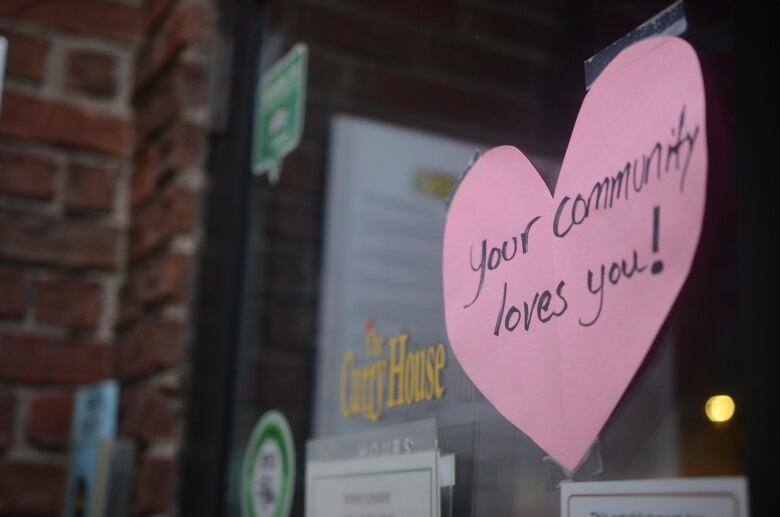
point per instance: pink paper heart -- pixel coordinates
(532, 338)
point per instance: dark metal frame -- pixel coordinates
(756, 39)
(220, 279)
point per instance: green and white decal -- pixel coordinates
(279, 112)
(268, 472)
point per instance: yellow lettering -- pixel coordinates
(429, 360)
(407, 377)
(380, 384)
(395, 397)
(410, 378)
(373, 341)
(355, 396)
(441, 360)
(368, 391)
(349, 358)
(419, 376)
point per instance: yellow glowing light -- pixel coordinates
(720, 408)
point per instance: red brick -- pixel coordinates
(442, 14)
(292, 273)
(90, 188)
(154, 11)
(181, 146)
(31, 488)
(155, 109)
(292, 326)
(283, 381)
(154, 223)
(303, 168)
(158, 280)
(91, 72)
(330, 75)
(48, 240)
(12, 294)
(170, 384)
(147, 414)
(294, 214)
(151, 346)
(163, 278)
(144, 180)
(182, 87)
(154, 486)
(130, 308)
(115, 20)
(26, 55)
(469, 108)
(512, 28)
(7, 407)
(69, 302)
(43, 360)
(189, 24)
(319, 115)
(26, 175)
(370, 37)
(49, 420)
(52, 122)
(487, 66)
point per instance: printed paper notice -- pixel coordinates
(701, 497)
(391, 486)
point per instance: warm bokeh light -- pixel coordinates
(720, 408)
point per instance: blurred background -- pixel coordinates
(135, 244)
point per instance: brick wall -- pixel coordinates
(102, 145)
(169, 99)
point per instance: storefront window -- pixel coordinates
(343, 265)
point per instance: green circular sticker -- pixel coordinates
(268, 473)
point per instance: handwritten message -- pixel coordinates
(552, 302)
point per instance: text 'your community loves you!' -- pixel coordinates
(552, 301)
